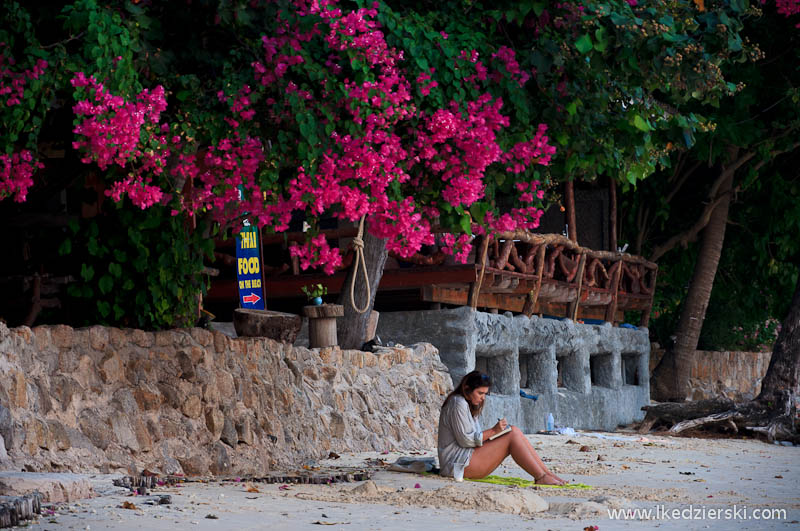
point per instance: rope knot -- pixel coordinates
(358, 246)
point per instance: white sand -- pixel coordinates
(718, 475)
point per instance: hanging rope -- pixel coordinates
(358, 245)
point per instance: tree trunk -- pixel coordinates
(353, 326)
(671, 377)
(783, 373)
(772, 414)
(612, 215)
(569, 199)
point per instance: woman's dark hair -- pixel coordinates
(469, 383)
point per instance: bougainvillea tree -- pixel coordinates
(458, 115)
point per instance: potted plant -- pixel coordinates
(314, 292)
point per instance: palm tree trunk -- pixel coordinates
(671, 377)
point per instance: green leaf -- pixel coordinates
(115, 269)
(87, 272)
(572, 108)
(584, 43)
(478, 211)
(641, 124)
(466, 224)
(601, 41)
(104, 308)
(66, 247)
(105, 284)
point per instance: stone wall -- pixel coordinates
(193, 401)
(734, 375)
(587, 376)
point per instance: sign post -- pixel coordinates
(248, 268)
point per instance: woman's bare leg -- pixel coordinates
(488, 457)
(537, 458)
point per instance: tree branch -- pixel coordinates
(690, 235)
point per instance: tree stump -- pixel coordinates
(322, 324)
(279, 326)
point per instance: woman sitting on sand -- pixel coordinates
(466, 451)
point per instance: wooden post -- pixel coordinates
(475, 287)
(533, 296)
(573, 306)
(611, 311)
(645, 320)
(612, 215)
(569, 198)
(322, 324)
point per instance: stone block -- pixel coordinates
(111, 368)
(124, 433)
(55, 488)
(117, 337)
(328, 373)
(41, 338)
(215, 421)
(229, 434)
(98, 337)
(96, 428)
(220, 460)
(143, 437)
(35, 436)
(192, 407)
(57, 437)
(19, 393)
(196, 464)
(148, 398)
(186, 364)
(142, 338)
(203, 337)
(244, 431)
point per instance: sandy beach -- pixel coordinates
(651, 481)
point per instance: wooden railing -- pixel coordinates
(539, 273)
(546, 274)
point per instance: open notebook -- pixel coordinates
(496, 435)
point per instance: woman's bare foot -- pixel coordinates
(549, 479)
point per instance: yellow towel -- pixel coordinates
(519, 482)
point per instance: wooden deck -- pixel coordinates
(519, 272)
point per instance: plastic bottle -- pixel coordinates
(550, 422)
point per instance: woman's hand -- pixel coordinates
(500, 426)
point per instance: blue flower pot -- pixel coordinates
(316, 301)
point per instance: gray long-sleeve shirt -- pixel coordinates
(459, 434)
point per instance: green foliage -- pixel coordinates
(622, 89)
(312, 291)
(142, 268)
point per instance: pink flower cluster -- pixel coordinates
(112, 132)
(481, 72)
(317, 253)
(459, 247)
(534, 151)
(507, 56)
(425, 83)
(445, 150)
(788, 8)
(377, 172)
(12, 84)
(16, 174)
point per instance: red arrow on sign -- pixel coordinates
(251, 299)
